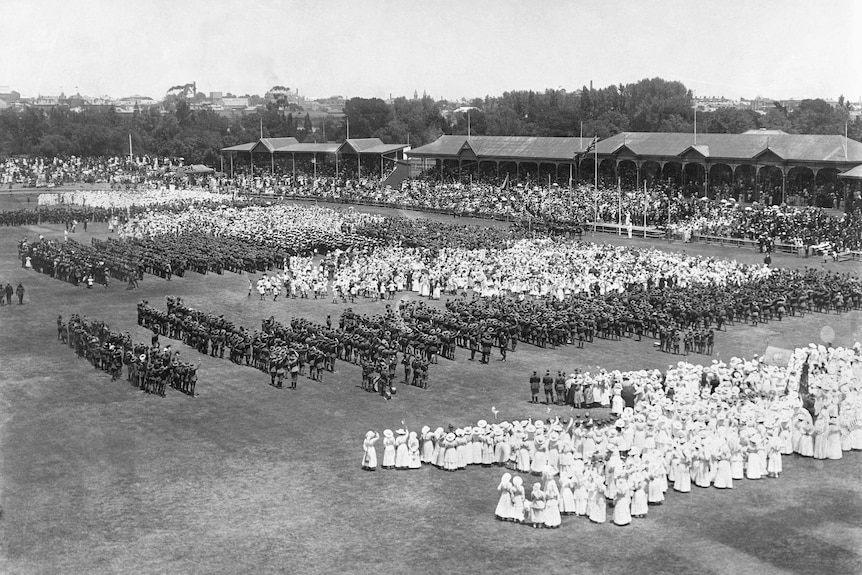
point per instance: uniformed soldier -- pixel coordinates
(560, 387)
(548, 384)
(487, 342)
(473, 345)
(534, 387)
(503, 341)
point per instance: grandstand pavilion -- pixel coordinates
(504, 151)
(350, 154)
(766, 159)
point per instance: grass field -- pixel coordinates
(98, 477)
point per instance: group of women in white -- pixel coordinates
(740, 426)
(126, 199)
(531, 267)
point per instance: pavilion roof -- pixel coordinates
(852, 174)
(309, 148)
(247, 147)
(272, 144)
(505, 147)
(789, 147)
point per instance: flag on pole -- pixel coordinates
(590, 148)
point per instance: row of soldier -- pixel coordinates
(150, 368)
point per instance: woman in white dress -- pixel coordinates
(540, 455)
(806, 434)
(552, 500)
(567, 494)
(369, 456)
(833, 440)
(612, 466)
(504, 503)
(657, 479)
(523, 459)
(413, 456)
(462, 447)
(617, 403)
(640, 505)
(821, 435)
(723, 476)
(579, 492)
(597, 506)
(401, 450)
(567, 457)
(623, 502)
(388, 449)
(487, 438)
(502, 449)
(537, 506)
(439, 458)
(753, 468)
(518, 499)
(682, 469)
(427, 449)
(450, 452)
(553, 450)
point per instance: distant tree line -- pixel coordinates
(175, 129)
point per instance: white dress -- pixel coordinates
(504, 504)
(753, 468)
(388, 452)
(567, 496)
(598, 509)
(401, 452)
(413, 458)
(369, 456)
(552, 505)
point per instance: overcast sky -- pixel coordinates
(778, 49)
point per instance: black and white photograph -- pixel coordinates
(437, 287)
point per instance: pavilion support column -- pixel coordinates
(498, 169)
(272, 163)
(231, 165)
(638, 175)
(757, 183)
(358, 165)
(293, 160)
(314, 163)
(706, 180)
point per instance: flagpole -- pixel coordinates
(619, 206)
(130, 148)
(694, 98)
(596, 186)
(646, 204)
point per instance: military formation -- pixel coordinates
(302, 348)
(152, 369)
